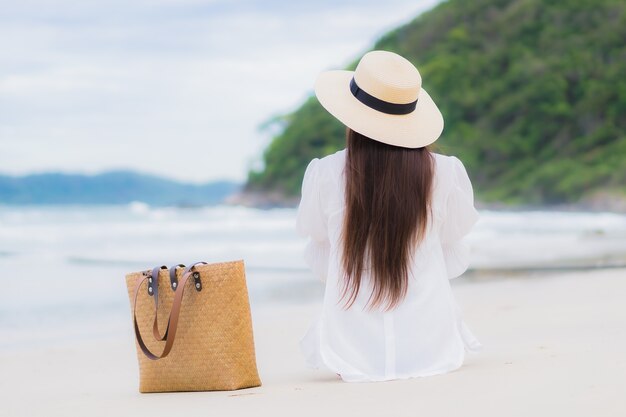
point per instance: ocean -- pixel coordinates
(63, 267)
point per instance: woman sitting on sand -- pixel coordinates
(386, 218)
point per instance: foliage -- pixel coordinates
(533, 95)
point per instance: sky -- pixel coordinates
(176, 88)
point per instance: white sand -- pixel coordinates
(555, 345)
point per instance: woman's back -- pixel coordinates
(386, 218)
(425, 334)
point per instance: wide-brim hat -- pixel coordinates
(382, 99)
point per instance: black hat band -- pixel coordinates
(378, 104)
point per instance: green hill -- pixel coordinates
(533, 94)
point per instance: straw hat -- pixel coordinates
(382, 99)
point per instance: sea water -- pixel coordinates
(63, 267)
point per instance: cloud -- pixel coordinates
(177, 88)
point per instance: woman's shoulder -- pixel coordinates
(324, 176)
(334, 159)
(449, 174)
(448, 167)
(338, 158)
(329, 161)
(446, 161)
(329, 166)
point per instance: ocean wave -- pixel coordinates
(137, 234)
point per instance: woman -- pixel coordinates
(386, 218)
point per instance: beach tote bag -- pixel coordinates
(193, 328)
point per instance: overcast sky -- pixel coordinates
(173, 87)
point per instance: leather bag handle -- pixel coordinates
(172, 323)
(153, 290)
(155, 294)
(173, 277)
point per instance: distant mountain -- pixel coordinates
(533, 95)
(115, 187)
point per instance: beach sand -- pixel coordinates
(554, 345)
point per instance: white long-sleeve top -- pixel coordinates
(425, 334)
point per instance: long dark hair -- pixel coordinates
(388, 194)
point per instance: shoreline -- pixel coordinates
(276, 200)
(597, 203)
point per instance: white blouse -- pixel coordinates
(425, 335)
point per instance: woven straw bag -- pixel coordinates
(205, 310)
